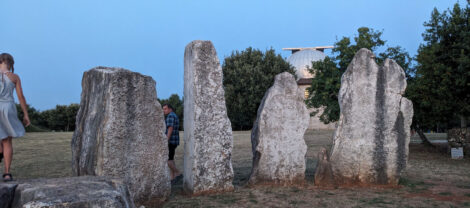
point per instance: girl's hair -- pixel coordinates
(8, 59)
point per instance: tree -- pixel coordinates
(247, 76)
(71, 116)
(327, 80)
(34, 117)
(178, 105)
(61, 118)
(440, 91)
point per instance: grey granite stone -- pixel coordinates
(324, 174)
(85, 191)
(7, 191)
(207, 129)
(120, 133)
(277, 137)
(370, 145)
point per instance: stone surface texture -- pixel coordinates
(85, 191)
(370, 145)
(7, 191)
(120, 133)
(207, 129)
(324, 174)
(277, 136)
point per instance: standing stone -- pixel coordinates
(207, 129)
(120, 133)
(324, 174)
(277, 137)
(370, 145)
(84, 192)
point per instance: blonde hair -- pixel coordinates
(9, 61)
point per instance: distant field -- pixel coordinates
(432, 179)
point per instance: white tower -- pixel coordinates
(301, 59)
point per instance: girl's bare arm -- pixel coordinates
(19, 92)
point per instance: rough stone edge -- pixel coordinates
(8, 196)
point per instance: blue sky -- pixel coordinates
(54, 42)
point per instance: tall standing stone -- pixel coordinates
(120, 133)
(373, 133)
(277, 137)
(207, 129)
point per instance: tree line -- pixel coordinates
(61, 118)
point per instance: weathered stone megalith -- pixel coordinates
(120, 133)
(207, 129)
(277, 136)
(85, 191)
(370, 145)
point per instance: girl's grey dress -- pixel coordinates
(10, 125)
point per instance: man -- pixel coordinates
(172, 134)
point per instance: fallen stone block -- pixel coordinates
(83, 192)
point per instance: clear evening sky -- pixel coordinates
(55, 41)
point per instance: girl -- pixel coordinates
(10, 126)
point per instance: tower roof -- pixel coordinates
(302, 59)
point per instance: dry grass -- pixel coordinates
(45, 155)
(432, 179)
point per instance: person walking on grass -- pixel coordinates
(172, 134)
(10, 125)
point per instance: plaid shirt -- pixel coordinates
(172, 120)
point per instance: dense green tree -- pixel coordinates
(440, 91)
(34, 117)
(327, 80)
(61, 118)
(71, 115)
(247, 76)
(178, 105)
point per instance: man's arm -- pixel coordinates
(168, 134)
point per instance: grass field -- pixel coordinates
(432, 179)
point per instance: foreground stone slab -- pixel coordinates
(371, 140)
(207, 129)
(120, 133)
(7, 191)
(86, 191)
(277, 137)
